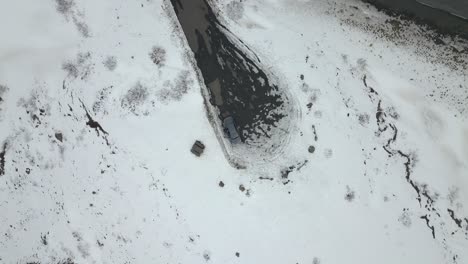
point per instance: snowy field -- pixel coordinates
(100, 104)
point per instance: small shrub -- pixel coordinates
(3, 90)
(350, 194)
(110, 63)
(82, 27)
(70, 68)
(64, 6)
(158, 56)
(364, 119)
(80, 67)
(135, 97)
(176, 90)
(405, 218)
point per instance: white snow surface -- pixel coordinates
(387, 114)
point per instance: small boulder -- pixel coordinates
(59, 136)
(197, 148)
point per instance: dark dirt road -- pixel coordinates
(232, 72)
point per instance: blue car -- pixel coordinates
(230, 129)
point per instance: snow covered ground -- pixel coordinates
(100, 105)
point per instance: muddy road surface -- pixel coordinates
(231, 71)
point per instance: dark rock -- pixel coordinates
(197, 148)
(311, 149)
(59, 137)
(241, 188)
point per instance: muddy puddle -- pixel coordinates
(233, 74)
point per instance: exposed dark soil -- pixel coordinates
(439, 20)
(95, 125)
(428, 223)
(454, 218)
(237, 84)
(2, 159)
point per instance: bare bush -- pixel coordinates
(64, 6)
(364, 119)
(102, 96)
(452, 196)
(350, 194)
(110, 63)
(71, 69)
(182, 84)
(3, 90)
(176, 90)
(80, 67)
(135, 97)
(68, 9)
(82, 27)
(405, 218)
(158, 56)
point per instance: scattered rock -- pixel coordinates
(44, 239)
(100, 244)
